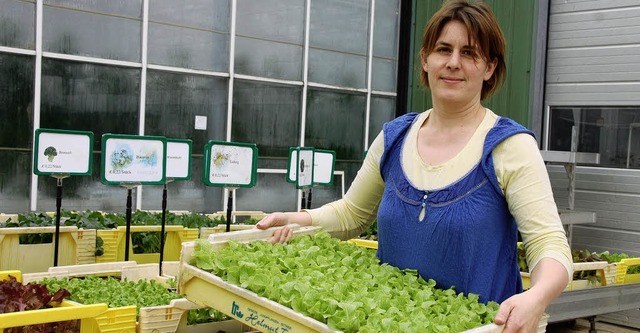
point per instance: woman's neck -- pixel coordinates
(457, 116)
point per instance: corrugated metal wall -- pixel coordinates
(593, 53)
(594, 60)
(614, 194)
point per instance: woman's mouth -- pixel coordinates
(450, 79)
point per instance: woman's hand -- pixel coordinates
(520, 313)
(281, 235)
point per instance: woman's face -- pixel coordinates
(456, 69)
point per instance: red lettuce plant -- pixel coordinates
(16, 297)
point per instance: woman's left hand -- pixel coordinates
(520, 313)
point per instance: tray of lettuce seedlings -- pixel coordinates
(316, 283)
(139, 298)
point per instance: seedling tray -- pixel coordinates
(262, 314)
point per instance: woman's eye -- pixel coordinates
(443, 50)
(468, 53)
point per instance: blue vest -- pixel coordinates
(467, 237)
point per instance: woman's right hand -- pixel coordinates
(281, 235)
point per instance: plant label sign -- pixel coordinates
(323, 166)
(133, 159)
(302, 166)
(178, 159)
(63, 152)
(230, 164)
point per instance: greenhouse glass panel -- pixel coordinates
(271, 193)
(16, 132)
(269, 39)
(350, 169)
(193, 35)
(189, 195)
(89, 97)
(335, 121)
(273, 163)
(15, 177)
(338, 43)
(339, 69)
(275, 20)
(112, 30)
(384, 75)
(268, 115)
(211, 15)
(17, 24)
(131, 8)
(383, 109)
(340, 25)
(84, 193)
(385, 31)
(268, 59)
(174, 100)
(188, 48)
(16, 98)
(385, 45)
(322, 194)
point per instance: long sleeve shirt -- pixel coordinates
(521, 174)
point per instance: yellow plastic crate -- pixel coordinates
(370, 244)
(86, 246)
(156, 319)
(94, 318)
(114, 243)
(623, 265)
(173, 318)
(129, 270)
(5, 217)
(605, 271)
(256, 311)
(4, 275)
(36, 257)
(121, 319)
(88, 314)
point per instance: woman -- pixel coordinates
(452, 186)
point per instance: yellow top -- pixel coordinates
(522, 176)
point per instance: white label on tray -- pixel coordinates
(258, 319)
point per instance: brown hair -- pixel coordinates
(483, 29)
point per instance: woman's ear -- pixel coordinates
(491, 66)
(423, 61)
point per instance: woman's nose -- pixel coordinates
(454, 60)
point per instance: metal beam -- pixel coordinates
(594, 301)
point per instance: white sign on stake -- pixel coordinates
(292, 168)
(304, 167)
(323, 166)
(230, 164)
(178, 159)
(63, 152)
(133, 159)
(324, 163)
